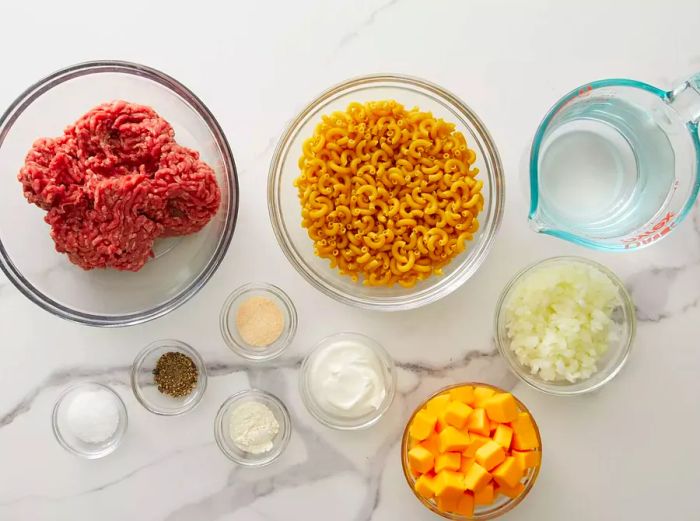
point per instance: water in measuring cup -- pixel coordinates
(606, 168)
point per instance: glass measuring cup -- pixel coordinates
(615, 164)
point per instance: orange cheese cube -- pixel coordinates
(452, 440)
(503, 436)
(527, 459)
(447, 503)
(449, 461)
(464, 394)
(449, 483)
(481, 394)
(421, 459)
(425, 486)
(478, 422)
(501, 407)
(432, 443)
(422, 425)
(509, 473)
(490, 454)
(465, 505)
(457, 413)
(477, 440)
(524, 434)
(476, 477)
(511, 492)
(484, 495)
(465, 464)
(437, 404)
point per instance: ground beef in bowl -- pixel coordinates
(114, 182)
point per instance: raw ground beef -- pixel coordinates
(114, 182)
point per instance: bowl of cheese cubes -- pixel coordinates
(471, 451)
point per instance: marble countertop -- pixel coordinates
(625, 452)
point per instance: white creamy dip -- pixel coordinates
(346, 379)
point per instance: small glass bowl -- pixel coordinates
(70, 441)
(337, 422)
(501, 504)
(285, 210)
(229, 311)
(609, 364)
(145, 388)
(222, 428)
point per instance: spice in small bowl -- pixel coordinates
(252, 428)
(89, 419)
(168, 377)
(258, 321)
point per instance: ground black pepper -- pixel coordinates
(175, 374)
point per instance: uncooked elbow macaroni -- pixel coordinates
(388, 195)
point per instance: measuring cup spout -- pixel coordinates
(685, 99)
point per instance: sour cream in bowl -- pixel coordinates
(348, 381)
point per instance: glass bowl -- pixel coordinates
(229, 331)
(609, 364)
(501, 504)
(72, 443)
(145, 388)
(106, 297)
(285, 209)
(339, 422)
(222, 431)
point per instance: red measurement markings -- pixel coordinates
(663, 227)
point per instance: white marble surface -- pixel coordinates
(626, 452)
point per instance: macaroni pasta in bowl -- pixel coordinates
(389, 195)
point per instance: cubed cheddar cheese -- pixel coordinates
(464, 394)
(503, 436)
(476, 441)
(448, 460)
(437, 404)
(511, 492)
(421, 459)
(476, 477)
(422, 425)
(524, 434)
(478, 422)
(484, 495)
(481, 394)
(457, 414)
(527, 459)
(447, 503)
(508, 474)
(452, 440)
(501, 408)
(490, 454)
(425, 486)
(465, 464)
(432, 443)
(465, 505)
(449, 483)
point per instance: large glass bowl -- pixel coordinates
(106, 297)
(285, 208)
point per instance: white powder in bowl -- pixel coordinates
(253, 427)
(93, 416)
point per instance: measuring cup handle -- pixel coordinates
(686, 99)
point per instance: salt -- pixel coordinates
(93, 416)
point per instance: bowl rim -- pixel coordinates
(565, 389)
(505, 507)
(26, 98)
(191, 352)
(271, 456)
(121, 430)
(315, 411)
(263, 354)
(409, 301)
